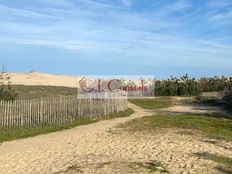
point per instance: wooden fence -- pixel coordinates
(21, 113)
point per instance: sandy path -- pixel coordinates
(101, 148)
(57, 152)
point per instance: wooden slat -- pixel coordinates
(21, 113)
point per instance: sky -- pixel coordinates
(117, 37)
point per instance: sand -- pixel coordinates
(37, 78)
(103, 148)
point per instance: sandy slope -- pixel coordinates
(36, 78)
(102, 148)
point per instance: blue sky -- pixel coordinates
(151, 37)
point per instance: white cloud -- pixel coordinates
(127, 3)
(224, 18)
(96, 4)
(56, 3)
(178, 6)
(219, 3)
(21, 12)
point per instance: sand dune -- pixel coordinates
(37, 78)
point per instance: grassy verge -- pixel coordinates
(213, 126)
(157, 103)
(17, 133)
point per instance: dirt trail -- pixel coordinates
(102, 148)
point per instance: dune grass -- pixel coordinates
(156, 103)
(224, 163)
(210, 125)
(33, 92)
(152, 166)
(17, 133)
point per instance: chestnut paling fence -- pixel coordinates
(20, 113)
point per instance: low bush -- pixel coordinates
(227, 96)
(214, 84)
(6, 92)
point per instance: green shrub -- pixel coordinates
(214, 84)
(227, 96)
(183, 86)
(6, 92)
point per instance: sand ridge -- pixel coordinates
(44, 79)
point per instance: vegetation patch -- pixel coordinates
(71, 169)
(222, 100)
(227, 97)
(208, 100)
(33, 92)
(157, 103)
(224, 163)
(17, 133)
(186, 86)
(210, 125)
(135, 167)
(183, 86)
(151, 166)
(6, 91)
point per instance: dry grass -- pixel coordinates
(32, 92)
